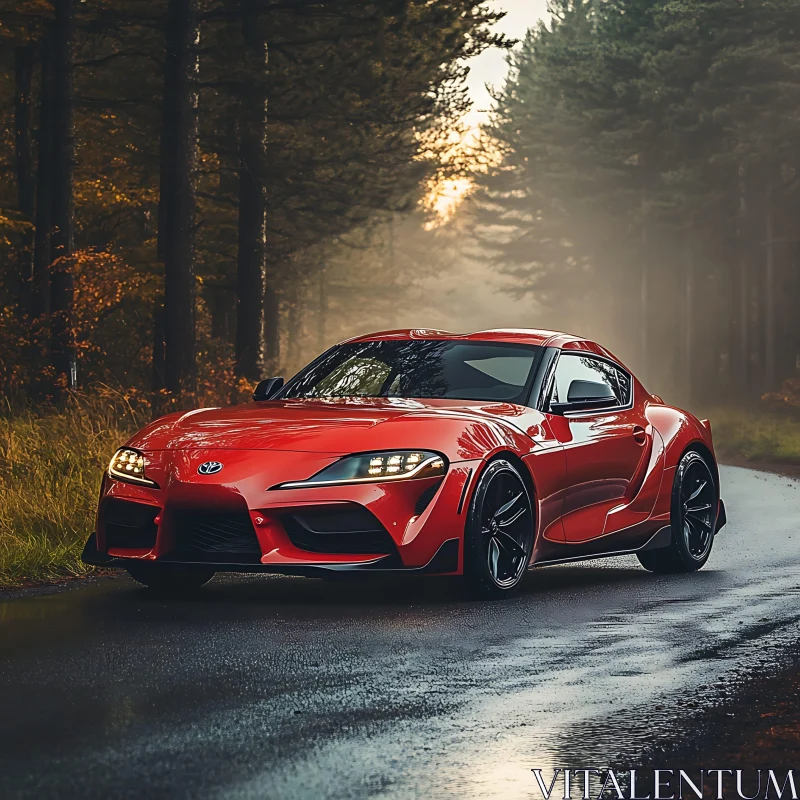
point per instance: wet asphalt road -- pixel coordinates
(294, 688)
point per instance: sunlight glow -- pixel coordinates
(443, 199)
(444, 195)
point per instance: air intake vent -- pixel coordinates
(425, 498)
(129, 526)
(215, 537)
(343, 529)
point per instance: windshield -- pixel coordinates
(420, 369)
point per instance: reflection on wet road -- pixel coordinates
(291, 688)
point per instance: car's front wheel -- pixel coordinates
(498, 539)
(170, 578)
(693, 518)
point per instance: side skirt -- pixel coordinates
(660, 539)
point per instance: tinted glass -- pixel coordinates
(584, 368)
(420, 369)
(622, 388)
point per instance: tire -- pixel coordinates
(693, 519)
(499, 533)
(170, 578)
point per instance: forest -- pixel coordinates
(197, 194)
(181, 178)
(643, 185)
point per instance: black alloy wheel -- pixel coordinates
(499, 532)
(695, 504)
(698, 507)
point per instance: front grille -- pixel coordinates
(336, 530)
(129, 526)
(215, 536)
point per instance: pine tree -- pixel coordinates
(663, 145)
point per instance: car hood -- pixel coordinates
(328, 426)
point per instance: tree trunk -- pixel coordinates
(795, 318)
(40, 290)
(758, 347)
(26, 185)
(272, 330)
(158, 345)
(322, 312)
(769, 293)
(23, 71)
(251, 258)
(62, 337)
(688, 332)
(222, 308)
(250, 278)
(177, 198)
(393, 318)
(744, 293)
(252, 246)
(644, 301)
(294, 324)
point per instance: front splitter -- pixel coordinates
(444, 562)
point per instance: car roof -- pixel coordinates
(530, 336)
(513, 335)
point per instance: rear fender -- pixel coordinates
(679, 430)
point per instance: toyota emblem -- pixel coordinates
(210, 468)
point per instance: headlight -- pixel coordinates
(377, 468)
(128, 465)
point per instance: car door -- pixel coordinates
(607, 442)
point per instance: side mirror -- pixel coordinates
(585, 396)
(590, 392)
(267, 388)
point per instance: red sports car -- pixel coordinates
(418, 452)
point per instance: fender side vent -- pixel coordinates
(424, 500)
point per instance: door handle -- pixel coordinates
(639, 434)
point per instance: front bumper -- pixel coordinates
(412, 536)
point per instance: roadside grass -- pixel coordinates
(755, 435)
(51, 463)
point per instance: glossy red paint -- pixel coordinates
(601, 480)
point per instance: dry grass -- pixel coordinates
(51, 465)
(757, 436)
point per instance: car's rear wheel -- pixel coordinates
(498, 538)
(170, 578)
(695, 504)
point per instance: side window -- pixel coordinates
(575, 367)
(622, 387)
